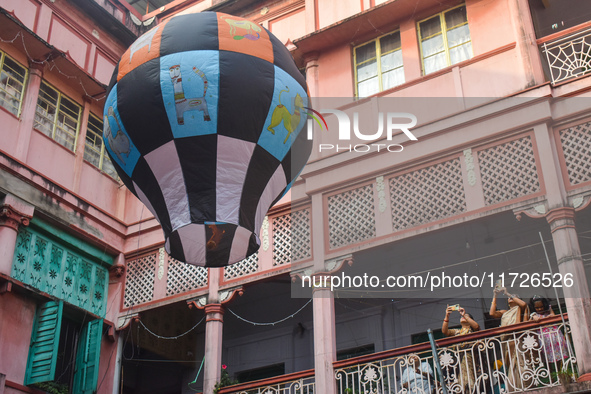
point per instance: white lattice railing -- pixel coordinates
(569, 57)
(139, 280)
(427, 195)
(576, 144)
(351, 216)
(184, 277)
(296, 383)
(292, 237)
(247, 266)
(144, 281)
(503, 361)
(508, 171)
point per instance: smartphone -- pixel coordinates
(499, 284)
(455, 307)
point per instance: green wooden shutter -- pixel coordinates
(44, 343)
(87, 358)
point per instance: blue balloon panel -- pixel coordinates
(286, 117)
(117, 141)
(190, 89)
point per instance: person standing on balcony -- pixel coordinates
(518, 312)
(555, 348)
(417, 378)
(468, 324)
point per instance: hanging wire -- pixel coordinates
(175, 337)
(52, 65)
(272, 323)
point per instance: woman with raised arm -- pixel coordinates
(467, 366)
(518, 312)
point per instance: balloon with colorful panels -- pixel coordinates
(203, 121)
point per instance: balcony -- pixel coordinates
(568, 57)
(510, 359)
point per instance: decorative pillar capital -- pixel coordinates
(311, 59)
(214, 312)
(560, 218)
(10, 217)
(36, 68)
(223, 297)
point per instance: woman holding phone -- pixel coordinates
(468, 325)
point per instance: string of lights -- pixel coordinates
(50, 62)
(270, 323)
(175, 337)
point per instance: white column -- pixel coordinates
(325, 348)
(570, 262)
(27, 116)
(214, 324)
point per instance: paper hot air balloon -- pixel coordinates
(203, 122)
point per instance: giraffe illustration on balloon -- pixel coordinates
(182, 104)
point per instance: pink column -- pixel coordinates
(81, 144)
(578, 304)
(527, 47)
(311, 60)
(214, 324)
(325, 348)
(311, 17)
(13, 213)
(27, 117)
(116, 288)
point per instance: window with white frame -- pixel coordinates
(445, 39)
(378, 65)
(12, 84)
(94, 151)
(57, 116)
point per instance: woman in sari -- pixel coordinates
(466, 360)
(518, 312)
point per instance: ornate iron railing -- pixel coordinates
(508, 360)
(295, 383)
(569, 57)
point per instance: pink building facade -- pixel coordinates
(91, 302)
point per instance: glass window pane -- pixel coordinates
(92, 156)
(108, 167)
(455, 17)
(391, 61)
(46, 110)
(430, 27)
(70, 108)
(46, 93)
(95, 124)
(460, 53)
(435, 63)
(369, 87)
(63, 137)
(433, 45)
(94, 141)
(393, 78)
(367, 70)
(390, 42)
(458, 36)
(365, 52)
(14, 70)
